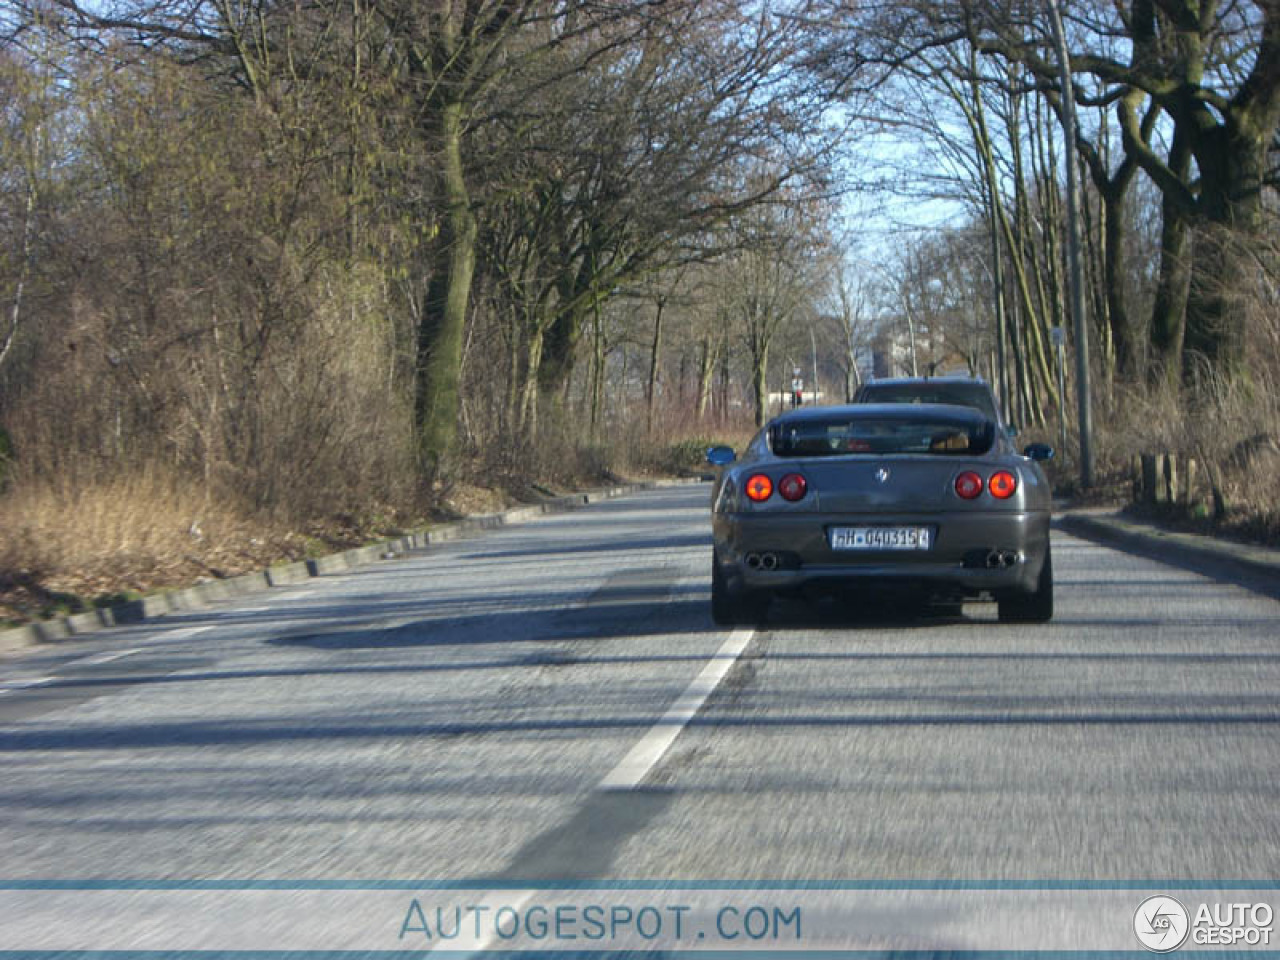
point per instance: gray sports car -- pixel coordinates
(926, 499)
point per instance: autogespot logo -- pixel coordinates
(1161, 924)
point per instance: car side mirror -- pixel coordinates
(721, 456)
(1038, 451)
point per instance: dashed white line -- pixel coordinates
(98, 658)
(185, 633)
(644, 756)
(629, 772)
(468, 943)
(26, 684)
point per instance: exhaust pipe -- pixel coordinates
(768, 561)
(1001, 559)
(753, 561)
(1010, 558)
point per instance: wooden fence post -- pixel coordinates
(1149, 485)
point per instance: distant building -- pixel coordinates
(891, 353)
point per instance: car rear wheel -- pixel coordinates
(1034, 607)
(734, 607)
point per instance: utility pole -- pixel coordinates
(813, 347)
(1073, 251)
(1058, 336)
(911, 332)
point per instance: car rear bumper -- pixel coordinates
(958, 559)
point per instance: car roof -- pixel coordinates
(967, 389)
(947, 412)
(909, 381)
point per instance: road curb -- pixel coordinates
(201, 596)
(1258, 566)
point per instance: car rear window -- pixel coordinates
(956, 394)
(843, 437)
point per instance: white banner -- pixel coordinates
(323, 918)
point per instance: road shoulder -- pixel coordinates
(1254, 567)
(202, 596)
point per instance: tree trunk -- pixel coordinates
(580, 295)
(24, 271)
(852, 378)
(1169, 311)
(724, 386)
(1113, 271)
(597, 372)
(560, 349)
(439, 361)
(655, 354)
(759, 382)
(1232, 169)
(511, 402)
(706, 374)
(528, 421)
(1090, 258)
(975, 114)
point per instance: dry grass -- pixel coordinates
(76, 539)
(1232, 432)
(677, 444)
(66, 545)
(467, 499)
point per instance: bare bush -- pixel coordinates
(125, 533)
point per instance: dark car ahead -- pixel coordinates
(929, 499)
(962, 391)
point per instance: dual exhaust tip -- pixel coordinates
(1001, 559)
(762, 561)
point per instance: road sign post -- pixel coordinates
(1058, 337)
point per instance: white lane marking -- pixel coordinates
(633, 768)
(26, 684)
(95, 659)
(645, 755)
(467, 943)
(303, 594)
(98, 658)
(185, 633)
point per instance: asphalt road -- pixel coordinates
(454, 715)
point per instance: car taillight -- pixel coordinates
(759, 488)
(968, 485)
(793, 487)
(1002, 484)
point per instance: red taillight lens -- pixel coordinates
(1002, 484)
(759, 488)
(968, 485)
(793, 487)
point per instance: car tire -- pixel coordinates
(730, 608)
(1034, 607)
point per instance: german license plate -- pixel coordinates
(879, 538)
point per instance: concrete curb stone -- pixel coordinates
(203, 595)
(1257, 564)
